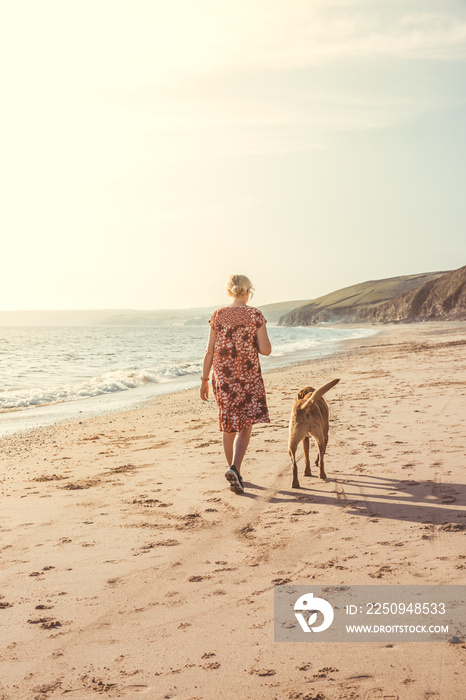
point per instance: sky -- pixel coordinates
(149, 148)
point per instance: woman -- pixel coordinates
(237, 334)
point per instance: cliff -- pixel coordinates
(351, 303)
(439, 299)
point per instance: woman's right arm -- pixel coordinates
(263, 342)
(207, 365)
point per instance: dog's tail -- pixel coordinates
(315, 396)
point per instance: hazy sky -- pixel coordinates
(148, 148)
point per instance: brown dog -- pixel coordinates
(309, 417)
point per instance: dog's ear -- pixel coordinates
(304, 392)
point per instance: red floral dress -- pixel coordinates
(237, 379)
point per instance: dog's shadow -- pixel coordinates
(428, 502)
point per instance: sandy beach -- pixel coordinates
(129, 569)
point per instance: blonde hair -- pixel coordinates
(237, 285)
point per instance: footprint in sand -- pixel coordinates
(46, 623)
(143, 549)
(197, 579)
(381, 571)
(304, 667)
(380, 694)
(39, 573)
(43, 690)
(262, 672)
(323, 672)
(452, 527)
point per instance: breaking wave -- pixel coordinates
(107, 383)
(57, 364)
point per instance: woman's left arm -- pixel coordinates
(207, 365)
(263, 341)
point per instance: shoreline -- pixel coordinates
(21, 420)
(131, 569)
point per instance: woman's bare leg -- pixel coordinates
(228, 440)
(241, 445)
(235, 446)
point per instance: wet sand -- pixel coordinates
(129, 569)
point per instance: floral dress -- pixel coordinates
(237, 379)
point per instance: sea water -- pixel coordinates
(49, 373)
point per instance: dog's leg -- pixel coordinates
(307, 469)
(324, 449)
(292, 453)
(320, 438)
(321, 444)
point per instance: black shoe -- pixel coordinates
(239, 477)
(236, 482)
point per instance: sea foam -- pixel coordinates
(53, 364)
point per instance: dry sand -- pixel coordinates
(129, 569)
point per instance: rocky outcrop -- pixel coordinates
(356, 302)
(440, 299)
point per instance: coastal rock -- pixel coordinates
(357, 302)
(439, 299)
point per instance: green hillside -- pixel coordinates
(344, 304)
(191, 317)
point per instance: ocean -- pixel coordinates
(51, 373)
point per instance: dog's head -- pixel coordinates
(304, 392)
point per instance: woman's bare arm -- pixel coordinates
(207, 365)
(263, 341)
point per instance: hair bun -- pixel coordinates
(238, 285)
